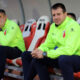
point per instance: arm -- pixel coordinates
(49, 43)
(71, 45)
(38, 53)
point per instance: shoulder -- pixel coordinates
(73, 26)
(52, 26)
(72, 23)
(11, 23)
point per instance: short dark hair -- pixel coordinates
(57, 5)
(2, 11)
(73, 15)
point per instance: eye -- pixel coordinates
(53, 14)
(58, 14)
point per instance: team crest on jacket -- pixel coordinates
(64, 34)
(12, 27)
(72, 29)
(5, 32)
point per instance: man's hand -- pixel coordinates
(37, 53)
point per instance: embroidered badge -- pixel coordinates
(64, 34)
(72, 29)
(12, 27)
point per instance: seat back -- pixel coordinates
(27, 27)
(41, 31)
(29, 31)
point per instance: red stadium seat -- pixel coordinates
(46, 26)
(29, 32)
(42, 28)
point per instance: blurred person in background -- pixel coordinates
(72, 15)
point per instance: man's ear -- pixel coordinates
(65, 13)
(5, 17)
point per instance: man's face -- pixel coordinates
(58, 15)
(2, 19)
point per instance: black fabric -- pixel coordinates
(69, 64)
(32, 66)
(28, 69)
(7, 52)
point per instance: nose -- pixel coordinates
(55, 17)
